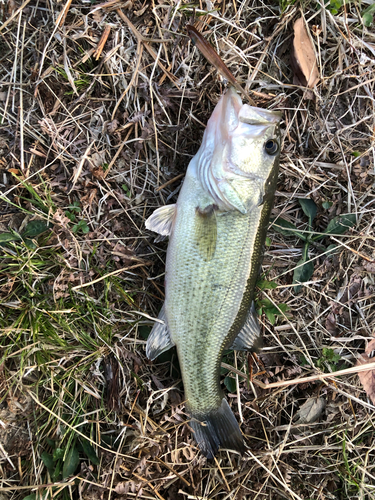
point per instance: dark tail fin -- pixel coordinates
(217, 428)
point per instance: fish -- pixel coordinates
(217, 229)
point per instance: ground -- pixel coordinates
(94, 135)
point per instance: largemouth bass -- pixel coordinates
(216, 234)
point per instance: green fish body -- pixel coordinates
(216, 234)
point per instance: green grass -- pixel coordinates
(54, 346)
(81, 408)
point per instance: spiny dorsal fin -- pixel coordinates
(159, 339)
(161, 221)
(250, 337)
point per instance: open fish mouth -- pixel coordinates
(230, 111)
(231, 118)
(257, 116)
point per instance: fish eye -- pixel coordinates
(271, 147)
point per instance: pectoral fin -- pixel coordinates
(159, 339)
(161, 221)
(249, 338)
(206, 231)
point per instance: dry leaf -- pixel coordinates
(210, 53)
(140, 12)
(98, 173)
(97, 15)
(12, 6)
(303, 60)
(112, 126)
(351, 290)
(331, 326)
(213, 58)
(97, 159)
(368, 378)
(369, 266)
(311, 410)
(87, 200)
(122, 488)
(348, 295)
(14, 171)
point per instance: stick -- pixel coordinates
(14, 15)
(117, 271)
(151, 51)
(102, 42)
(285, 383)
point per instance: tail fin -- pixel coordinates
(217, 428)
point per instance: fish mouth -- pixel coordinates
(230, 117)
(258, 116)
(233, 109)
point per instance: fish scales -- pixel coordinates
(210, 293)
(217, 229)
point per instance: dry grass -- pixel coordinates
(102, 109)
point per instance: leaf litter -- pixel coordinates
(367, 378)
(303, 58)
(76, 307)
(311, 410)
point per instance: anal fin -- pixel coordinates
(159, 339)
(250, 337)
(161, 221)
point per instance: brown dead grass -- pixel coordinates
(112, 123)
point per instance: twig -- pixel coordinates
(102, 42)
(135, 73)
(62, 16)
(22, 142)
(213, 58)
(80, 166)
(149, 484)
(352, 250)
(121, 147)
(67, 68)
(283, 484)
(222, 474)
(169, 182)
(303, 380)
(3, 451)
(38, 486)
(113, 273)
(74, 429)
(174, 472)
(15, 14)
(151, 51)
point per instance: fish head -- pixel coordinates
(253, 147)
(240, 143)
